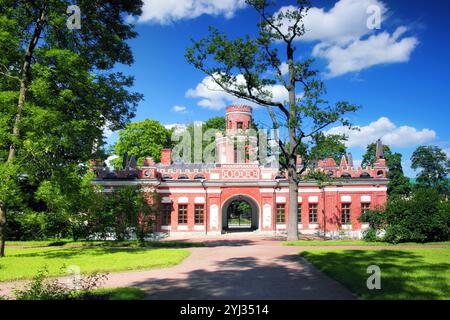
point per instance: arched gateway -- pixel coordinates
(240, 213)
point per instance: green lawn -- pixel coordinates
(127, 293)
(130, 243)
(23, 263)
(405, 273)
(354, 243)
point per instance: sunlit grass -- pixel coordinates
(405, 273)
(23, 263)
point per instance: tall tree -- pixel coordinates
(56, 91)
(142, 139)
(434, 166)
(398, 185)
(246, 67)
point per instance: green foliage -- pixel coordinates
(245, 67)
(123, 211)
(370, 235)
(55, 125)
(424, 217)
(369, 158)
(143, 139)
(328, 146)
(375, 218)
(41, 287)
(244, 208)
(434, 166)
(399, 185)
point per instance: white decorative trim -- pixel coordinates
(300, 199)
(267, 216)
(313, 199)
(214, 176)
(167, 228)
(313, 226)
(183, 200)
(199, 200)
(364, 226)
(346, 227)
(300, 226)
(266, 176)
(199, 228)
(214, 216)
(176, 190)
(281, 227)
(346, 199)
(182, 228)
(356, 189)
(166, 200)
(366, 199)
(281, 199)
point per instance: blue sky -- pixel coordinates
(400, 74)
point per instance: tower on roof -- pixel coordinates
(379, 150)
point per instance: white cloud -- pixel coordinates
(347, 43)
(388, 132)
(346, 21)
(179, 109)
(214, 98)
(179, 127)
(168, 11)
(362, 54)
(284, 68)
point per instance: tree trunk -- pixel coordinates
(2, 228)
(293, 206)
(25, 76)
(292, 166)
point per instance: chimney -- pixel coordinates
(379, 151)
(166, 157)
(148, 161)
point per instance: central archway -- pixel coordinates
(240, 213)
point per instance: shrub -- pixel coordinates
(424, 217)
(370, 235)
(41, 287)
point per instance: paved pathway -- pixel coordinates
(233, 267)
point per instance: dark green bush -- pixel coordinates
(425, 217)
(370, 235)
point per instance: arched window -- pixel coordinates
(199, 177)
(346, 175)
(166, 177)
(330, 173)
(380, 173)
(183, 177)
(365, 175)
(280, 178)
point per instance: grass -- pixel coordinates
(405, 273)
(355, 243)
(131, 244)
(127, 293)
(24, 262)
